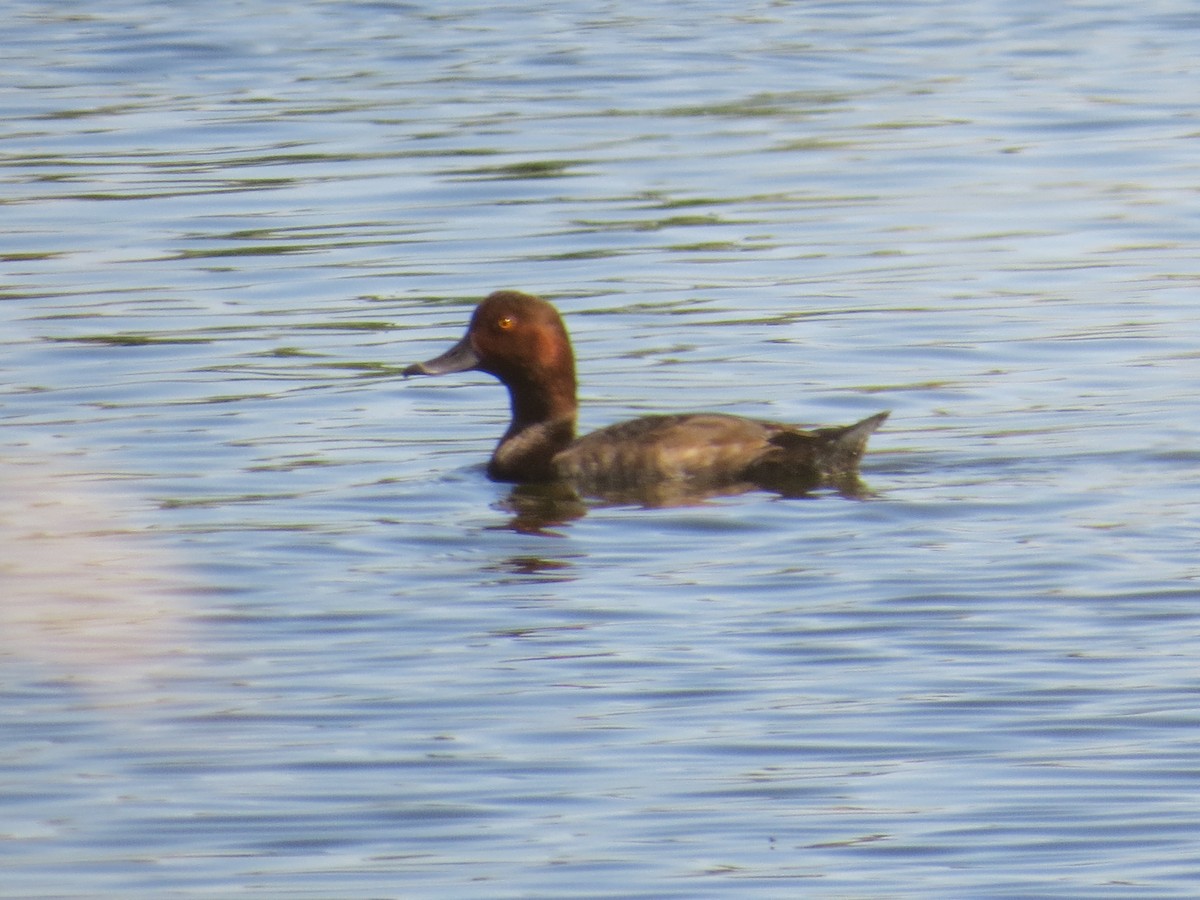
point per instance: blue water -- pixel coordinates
(266, 628)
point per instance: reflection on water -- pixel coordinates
(83, 595)
(542, 508)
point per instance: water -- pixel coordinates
(268, 630)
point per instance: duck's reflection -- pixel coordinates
(540, 508)
(537, 569)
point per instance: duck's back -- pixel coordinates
(699, 451)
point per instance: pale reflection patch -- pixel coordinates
(82, 593)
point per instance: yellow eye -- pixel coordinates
(505, 322)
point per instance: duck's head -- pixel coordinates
(521, 340)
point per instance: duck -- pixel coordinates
(521, 340)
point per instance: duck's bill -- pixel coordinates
(459, 358)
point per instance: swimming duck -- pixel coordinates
(521, 340)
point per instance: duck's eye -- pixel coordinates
(504, 323)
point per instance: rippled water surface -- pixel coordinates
(266, 629)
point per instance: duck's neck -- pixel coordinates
(543, 423)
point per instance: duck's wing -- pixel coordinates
(661, 460)
(703, 449)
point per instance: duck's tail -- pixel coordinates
(823, 457)
(844, 446)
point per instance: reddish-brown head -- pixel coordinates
(521, 340)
